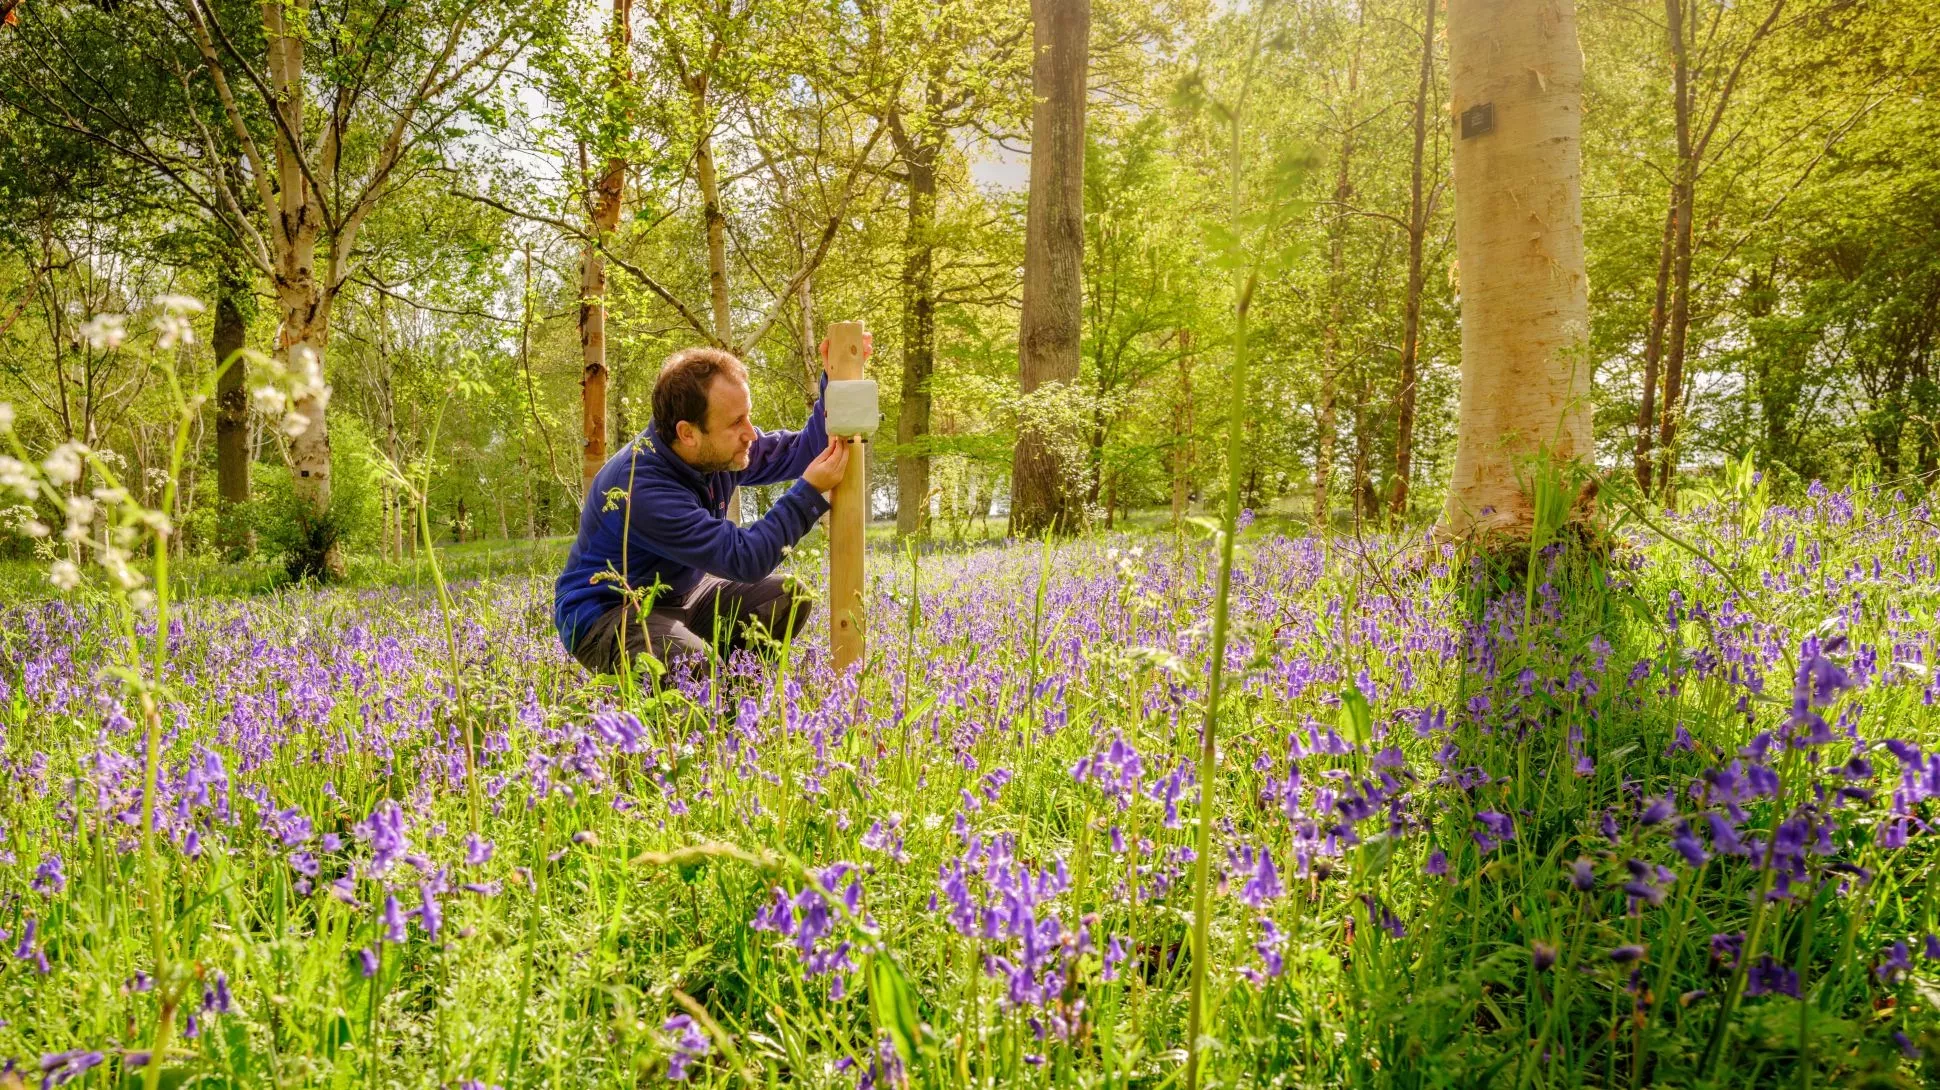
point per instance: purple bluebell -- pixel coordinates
(689, 1044)
(61, 1068)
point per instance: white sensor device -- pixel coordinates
(852, 406)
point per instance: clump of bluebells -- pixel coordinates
(1633, 817)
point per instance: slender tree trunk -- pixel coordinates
(1683, 184)
(714, 222)
(1182, 434)
(811, 358)
(525, 369)
(1654, 350)
(1516, 89)
(232, 412)
(1044, 490)
(608, 193)
(1404, 399)
(1681, 23)
(1367, 502)
(919, 329)
(594, 375)
(1327, 434)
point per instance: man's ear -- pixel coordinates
(685, 432)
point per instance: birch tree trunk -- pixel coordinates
(1045, 494)
(300, 293)
(1516, 89)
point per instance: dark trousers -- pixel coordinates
(716, 614)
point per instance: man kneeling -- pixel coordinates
(656, 515)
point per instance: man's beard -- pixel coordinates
(731, 462)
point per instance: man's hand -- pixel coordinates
(868, 349)
(826, 471)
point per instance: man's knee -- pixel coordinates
(794, 604)
(782, 612)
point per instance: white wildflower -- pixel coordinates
(180, 304)
(80, 515)
(307, 368)
(268, 400)
(35, 528)
(105, 332)
(6, 417)
(63, 466)
(295, 424)
(124, 575)
(143, 601)
(172, 330)
(15, 475)
(65, 575)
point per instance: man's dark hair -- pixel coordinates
(680, 393)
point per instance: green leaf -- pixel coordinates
(892, 999)
(1356, 718)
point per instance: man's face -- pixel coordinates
(730, 429)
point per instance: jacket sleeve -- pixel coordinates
(677, 527)
(783, 455)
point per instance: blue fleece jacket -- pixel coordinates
(678, 529)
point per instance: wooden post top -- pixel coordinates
(845, 350)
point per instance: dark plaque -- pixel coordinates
(1478, 120)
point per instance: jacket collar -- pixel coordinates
(678, 464)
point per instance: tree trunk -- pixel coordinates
(592, 350)
(1654, 351)
(1327, 434)
(1683, 185)
(1404, 398)
(713, 221)
(1182, 434)
(1367, 502)
(811, 358)
(715, 224)
(302, 298)
(1044, 490)
(919, 332)
(232, 412)
(608, 192)
(1519, 233)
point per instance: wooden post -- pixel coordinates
(849, 512)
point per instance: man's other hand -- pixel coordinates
(826, 471)
(868, 349)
